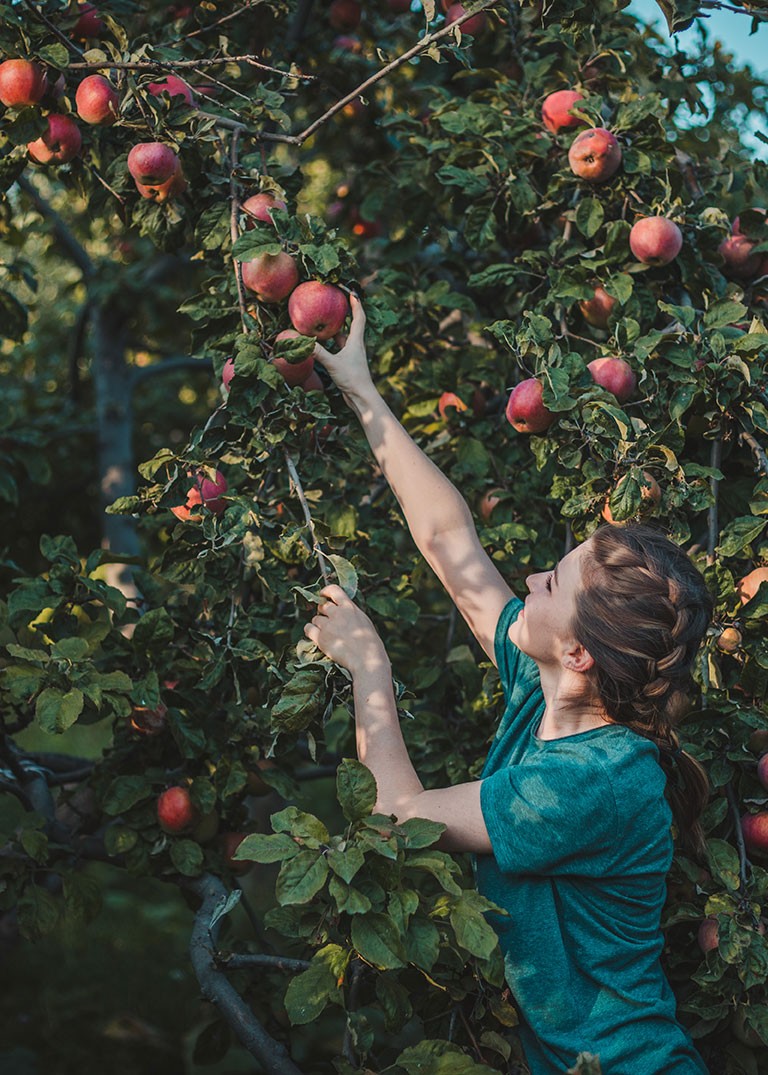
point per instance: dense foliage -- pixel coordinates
(173, 624)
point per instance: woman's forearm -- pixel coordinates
(430, 502)
(380, 744)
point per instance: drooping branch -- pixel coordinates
(62, 233)
(743, 861)
(299, 489)
(271, 1054)
(233, 228)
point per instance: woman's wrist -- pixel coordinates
(373, 665)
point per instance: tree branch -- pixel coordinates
(245, 961)
(169, 365)
(743, 862)
(233, 227)
(70, 45)
(713, 527)
(299, 489)
(271, 1054)
(181, 65)
(64, 236)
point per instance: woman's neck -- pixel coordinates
(566, 710)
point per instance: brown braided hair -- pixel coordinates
(641, 613)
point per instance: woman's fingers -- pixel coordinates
(357, 329)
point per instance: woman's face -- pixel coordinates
(542, 630)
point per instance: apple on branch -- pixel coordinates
(472, 26)
(88, 24)
(271, 277)
(22, 82)
(318, 309)
(595, 155)
(162, 192)
(152, 163)
(556, 110)
(650, 494)
(293, 373)
(60, 143)
(597, 310)
(655, 240)
(174, 87)
(748, 586)
(175, 810)
(259, 207)
(450, 402)
(614, 375)
(97, 100)
(755, 830)
(525, 407)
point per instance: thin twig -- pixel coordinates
(736, 815)
(234, 231)
(179, 65)
(296, 483)
(54, 29)
(761, 459)
(715, 458)
(219, 22)
(355, 978)
(245, 961)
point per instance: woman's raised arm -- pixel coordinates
(437, 515)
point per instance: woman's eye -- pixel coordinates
(549, 583)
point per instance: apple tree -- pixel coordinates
(558, 228)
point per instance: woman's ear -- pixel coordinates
(577, 659)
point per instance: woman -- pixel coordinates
(570, 821)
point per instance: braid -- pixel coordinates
(641, 614)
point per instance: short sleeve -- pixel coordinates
(553, 813)
(507, 654)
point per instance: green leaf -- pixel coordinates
(739, 533)
(377, 940)
(300, 701)
(38, 912)
(471, 929)
(125, 792)
(439, 1057)
(355, 789)
(301, 878)
(589, 216)
(725, 312)
(346, 863)
(345, 573)
(304, 827)
(56, 710)
(154, 630)
(421, 833)
(309, 992)
(422, 943)
(187, 857)
(723, 861)
(13, 317)
(259, 847)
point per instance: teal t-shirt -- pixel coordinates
(580, 831)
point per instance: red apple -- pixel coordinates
(655, 240)
(258, 207)
(60, 143)
(97, 101)
(344, 14)
(148, 721)
(739, 261)
(184, 511)
(755, 830)
(525, 409)
(293, 372)
(597, 310)
(22, 82)
(318, 309)
(472, 26)
(230, 841)
(89, 24)
(450, 399)
(762, 771)
(399, 7)
(708, 935)
(151, 163)
(595, 155)
(228, 373)
(556, 110)
(314, 383)
(615, 375)
(747, 587)
(363, 228)
(488, 502)
(211, 491)
(271, 277)
(347, 43)
(175, 811)
(174, 87)
(162, 192)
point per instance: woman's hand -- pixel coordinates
(349, 366)
(345, 634)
